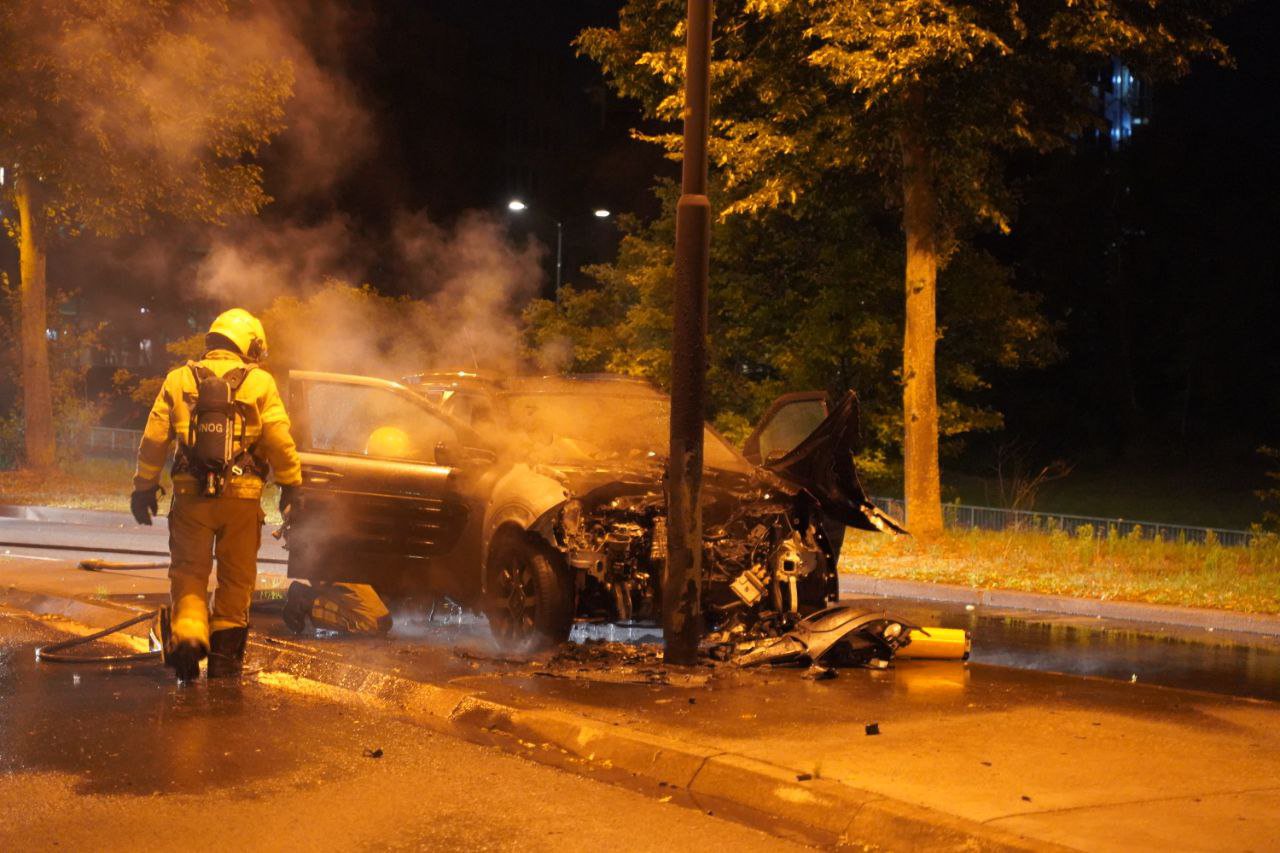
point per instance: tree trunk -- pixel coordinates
(921, 480)
(37, 394)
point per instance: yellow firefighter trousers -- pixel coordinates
(199, 529)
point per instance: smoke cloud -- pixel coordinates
(462, 288)
(459, 288)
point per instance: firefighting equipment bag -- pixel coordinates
(211, 455)
(348, 608)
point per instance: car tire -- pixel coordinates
(530, 597)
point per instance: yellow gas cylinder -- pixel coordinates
(937, 644)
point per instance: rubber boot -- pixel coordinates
(184, 658)
(297, 606)
(226, 652)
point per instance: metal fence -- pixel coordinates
(965, 517)
(106, 441)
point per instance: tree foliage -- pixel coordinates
(122, 111)
(804, 90)
(804, 298)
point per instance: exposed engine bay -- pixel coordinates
(767, 559)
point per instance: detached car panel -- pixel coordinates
(540, 500)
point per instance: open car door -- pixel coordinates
(786, 423)
(810, 443)
(380, 501)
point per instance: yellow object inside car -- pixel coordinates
(389, 442)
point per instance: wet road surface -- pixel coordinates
(1186, 658)
(1192, 659)
(1092, 763)
(125, 760)
(1100, 763)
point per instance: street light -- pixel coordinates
(516, 205)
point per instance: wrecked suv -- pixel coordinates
(539, 500)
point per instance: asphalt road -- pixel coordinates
(1096, 763)
(126, 760)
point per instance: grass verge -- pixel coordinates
(1246, 580)
(93, 483)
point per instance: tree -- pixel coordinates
(924, 95)
(116, 113)
(74, 343)
(806, 297)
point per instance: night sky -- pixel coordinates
(475, 103)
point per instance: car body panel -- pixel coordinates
(364, 517)
(539, 457)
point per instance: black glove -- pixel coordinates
(287, 496)
(144, 504)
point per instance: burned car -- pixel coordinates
(539, 500)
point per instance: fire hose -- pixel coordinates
(53, 653)
(158, 637)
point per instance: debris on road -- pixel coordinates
(373, 753)
(873, 728)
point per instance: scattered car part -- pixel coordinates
(843, 635)
(937, 644)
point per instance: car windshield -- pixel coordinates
(589, 427)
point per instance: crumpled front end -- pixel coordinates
(766, 554)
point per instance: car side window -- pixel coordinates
(360, 420)
(789, 426)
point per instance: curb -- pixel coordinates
(733, 784)
(1133, 611)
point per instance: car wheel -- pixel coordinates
(530, 599)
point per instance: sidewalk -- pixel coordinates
(976, 756)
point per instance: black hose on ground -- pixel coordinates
(52, 653)
(96, 565)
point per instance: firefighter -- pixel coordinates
(230, 425)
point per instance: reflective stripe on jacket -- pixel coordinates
(266, 428)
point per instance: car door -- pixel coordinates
(381, 501)
(805, 439)
(787, 422)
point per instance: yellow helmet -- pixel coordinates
(388, 441)
(244, 330)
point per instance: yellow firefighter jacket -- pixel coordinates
(266, 430)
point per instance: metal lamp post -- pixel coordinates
(518, 206)
(682, 623)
